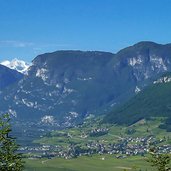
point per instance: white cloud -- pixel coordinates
(23, 44)
(35, 48)
(15, 43)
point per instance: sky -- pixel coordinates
(32, 27)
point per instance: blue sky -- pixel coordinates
(32, 27)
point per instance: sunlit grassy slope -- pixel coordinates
(141, 129)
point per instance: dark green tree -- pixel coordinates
(160, 161)
(10, 159)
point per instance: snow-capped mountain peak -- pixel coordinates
(19, 65)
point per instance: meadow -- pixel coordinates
(94, 163)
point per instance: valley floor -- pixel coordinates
(96, 147)
(94, 163)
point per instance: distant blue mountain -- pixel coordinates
(8, 77)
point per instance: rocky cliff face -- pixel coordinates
(70, 85)
(145, 59)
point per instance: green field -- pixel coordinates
(98, 162)
(142, 128)
(95, 163)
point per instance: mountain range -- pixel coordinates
(70, 85)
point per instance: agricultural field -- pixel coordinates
(109, 133)
(94, 163)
